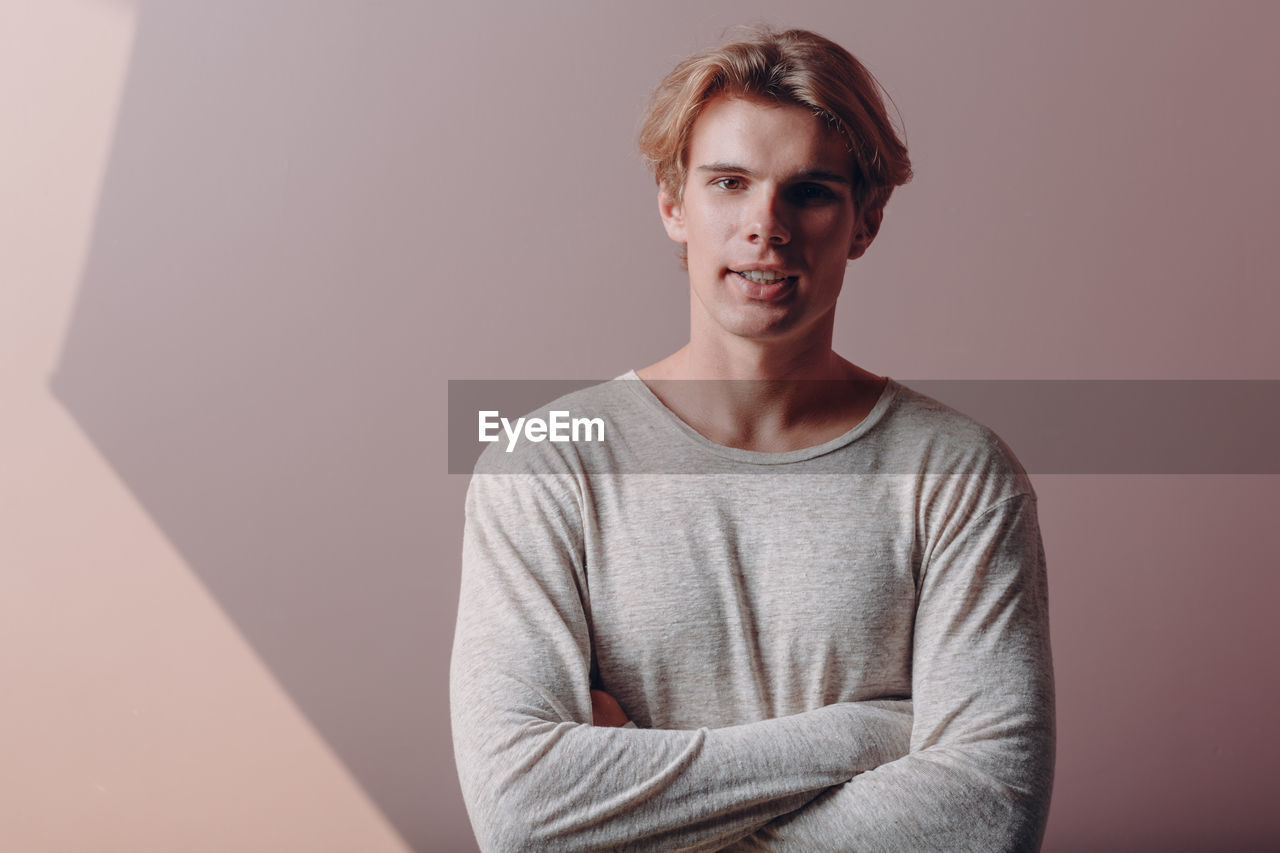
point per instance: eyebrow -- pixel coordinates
(811, 174)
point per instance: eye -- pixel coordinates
(727, 183)
(811, 193)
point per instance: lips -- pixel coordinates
(762, 276)
(763, 285)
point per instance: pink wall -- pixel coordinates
(311, 215)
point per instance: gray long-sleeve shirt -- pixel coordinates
(837, 648)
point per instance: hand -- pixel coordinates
(605, 710)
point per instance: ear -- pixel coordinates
(866, 231)
(672, 213)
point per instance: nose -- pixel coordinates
(764, 225)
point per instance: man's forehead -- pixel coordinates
(740, 135)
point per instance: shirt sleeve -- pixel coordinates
(980, 768)
(535, 774)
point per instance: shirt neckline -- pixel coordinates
(763, 457)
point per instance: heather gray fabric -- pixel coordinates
(820, 656)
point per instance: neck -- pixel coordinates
(759, 361)
(764, 395)
(713, 353)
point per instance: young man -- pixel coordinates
(815, 598)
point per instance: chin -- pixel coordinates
(770, 323)
(760, 330)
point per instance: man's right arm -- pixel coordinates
(536, 775)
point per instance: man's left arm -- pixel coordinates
(980, 769)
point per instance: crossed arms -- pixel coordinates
(966, 764)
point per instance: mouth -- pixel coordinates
(763, 285)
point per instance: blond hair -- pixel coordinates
(792, 67)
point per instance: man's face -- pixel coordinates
(768, 219)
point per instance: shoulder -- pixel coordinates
(542, 460)
(973, 496)
(955, 469)
(542, 440)
(606, 428)
(938, 441)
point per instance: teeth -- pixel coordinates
(762, 277)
